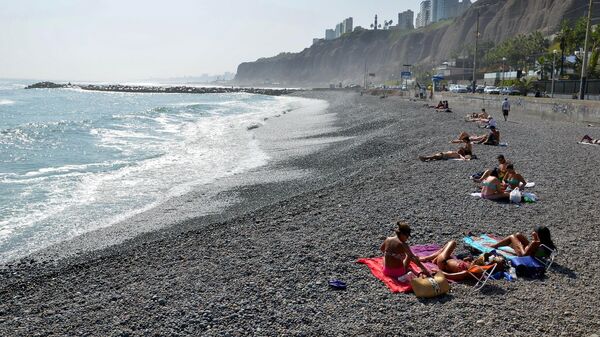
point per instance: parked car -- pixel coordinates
(510, 91)
(457, 88)
(480, 89)
(491, 90)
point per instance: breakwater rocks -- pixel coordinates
(156, 89)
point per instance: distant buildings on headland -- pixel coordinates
(341, 28)
(430, 11)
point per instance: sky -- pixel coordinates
(116, 40)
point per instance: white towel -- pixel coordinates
(585, 143)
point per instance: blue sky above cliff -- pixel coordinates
(138, 39)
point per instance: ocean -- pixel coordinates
(74, 161)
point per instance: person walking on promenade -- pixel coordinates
(505, 108)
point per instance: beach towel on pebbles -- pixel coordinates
(527, 196)
(376, 266)
(586, 143)
(483, 242)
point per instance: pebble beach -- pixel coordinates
(261, 266)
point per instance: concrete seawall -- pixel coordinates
(545, 108)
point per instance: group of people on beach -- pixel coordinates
(397, 254)
(496, 184)
(465, 151)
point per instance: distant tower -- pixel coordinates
(375, 22)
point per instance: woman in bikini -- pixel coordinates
(464, 152)
(492, 188)
(458, 269)
(397, 254)
(512, 179)
(590, 140)
(541, 244)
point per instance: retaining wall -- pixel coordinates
(545, 108)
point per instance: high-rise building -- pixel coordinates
(424, 18)
(348, 25)
(406, 20)
(329, 34)
(338, 30)
(447, 9)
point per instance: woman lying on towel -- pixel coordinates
(397, 254)
(477, 117)
(512, 179)
(492, 188)
(590, 140)
(492, 138)
(523, 247)
(458, 269)
(465, 152)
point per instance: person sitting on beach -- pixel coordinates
(492, 138)
(465, 152)
(500, 170)
(397, 254)
(590, 140)
(486, 124)
(458, 269)
(445, 107)
(523, 247)
(492, 188)
(512, 179)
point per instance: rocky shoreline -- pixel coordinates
(161, 89)
(261, 268)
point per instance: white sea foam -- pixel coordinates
(6, 102)
(188, 150)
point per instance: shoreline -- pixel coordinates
(262, 269)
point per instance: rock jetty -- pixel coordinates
(157, 89)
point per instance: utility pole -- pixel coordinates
(583, 83)
(475, 57)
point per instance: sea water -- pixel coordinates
(73, 161)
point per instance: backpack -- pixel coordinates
(529, 267)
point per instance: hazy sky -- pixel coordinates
(114, 40)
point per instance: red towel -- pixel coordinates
(376, 266)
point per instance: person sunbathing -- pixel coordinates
(440, 105)
(492, 138)
(477, 117)
(590, 140)
(465, 152)
(541, 244)
(512, 179)
(500, 170)
(397, 254)
(492, 188)
(459, 269)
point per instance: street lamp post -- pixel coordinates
(553, 70)
(585, 54)
(503, 61)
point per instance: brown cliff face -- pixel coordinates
(384, 52)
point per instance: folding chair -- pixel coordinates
(547, 261)
(485, 274)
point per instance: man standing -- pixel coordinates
(505, 108)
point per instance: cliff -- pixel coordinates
(385, 51)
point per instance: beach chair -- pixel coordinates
(485, 272)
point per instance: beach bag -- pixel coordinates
(529, 267)
(431, 286)
(515, 196)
